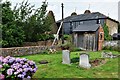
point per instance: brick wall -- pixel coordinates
(19, 51)
(100, 40)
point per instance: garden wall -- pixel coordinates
(111, 43)
(39, 43)
(19, 51)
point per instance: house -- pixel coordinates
(87, 29)
(71, 22)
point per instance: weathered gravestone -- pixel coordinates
(84, 61)
(65, 56)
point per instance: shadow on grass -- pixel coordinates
(74, 60)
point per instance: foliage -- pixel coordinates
(24, 23)
(65, 46)
(106, 33)
(44, 37)
(12, 34)
(68, 46)
(76, 49)
(33, 21)
(67, 43)
(67, 37)
(112, 48)
(16, 67)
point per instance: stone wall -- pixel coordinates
(39, 43)
(111, 43)
(19, 51)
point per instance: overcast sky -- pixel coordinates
(107, 7)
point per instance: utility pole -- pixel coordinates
(62, 24)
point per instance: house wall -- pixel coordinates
(112, 26)
(68, 27)
(102, 21)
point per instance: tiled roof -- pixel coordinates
(81, 17)
(87, 28)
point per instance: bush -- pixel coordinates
(11, 36)
(68, 46)
(112, 48)
(67, 37)
(16, 68)
(76, 49)
(44, 37)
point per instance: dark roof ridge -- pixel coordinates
(97, 14)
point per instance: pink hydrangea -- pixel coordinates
(18, 67)
(1, 66)
(5, 60)
(2, 77)
(10, 71)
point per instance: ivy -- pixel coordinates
(106, 33)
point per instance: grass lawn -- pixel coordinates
(55, 68)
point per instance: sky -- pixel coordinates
(106, 7)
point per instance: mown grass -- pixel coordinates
(55, 68)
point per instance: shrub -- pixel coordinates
(113, 48)
(76, 49)
(44, 37)
(67, 37)
(16, 68)
(11, 36)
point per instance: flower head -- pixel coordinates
(2, 77)
(10, 71)
(1, 66)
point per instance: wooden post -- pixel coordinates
(62, 24)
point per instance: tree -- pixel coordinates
(12, 35)
(34, 22)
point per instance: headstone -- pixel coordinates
(65, 56)
(84, 60)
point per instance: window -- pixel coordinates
(98, 21)
(101, 36)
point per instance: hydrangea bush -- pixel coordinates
(11, 67)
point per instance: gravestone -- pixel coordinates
(65, 56)
(84, 61)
